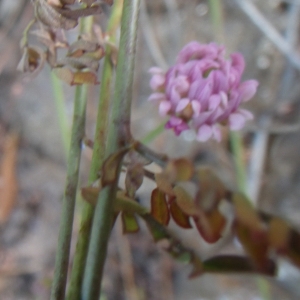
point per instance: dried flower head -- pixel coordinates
(203, 90)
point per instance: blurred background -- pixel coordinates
(33, 160)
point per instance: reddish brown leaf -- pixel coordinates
(84, 78)
(180, 169)
(246, 214)
(130, 224)
(211, 191)
(9, 186)
(159, 207)
(256, 246)
(111, 167)
(185, 201)
(180, 218)
(164, 184)
(278, 234)
(134, 178)
(197, 267)
(210, 225)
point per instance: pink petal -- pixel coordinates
(236, 121)
(217, 134)
(214, 102)
(183, 103)
(182, 84)
(155, 70)
(196, 108)
(246, 113)
(204, 133)
(157, 81)
(157, 97)
(248, 89)
(164, 107)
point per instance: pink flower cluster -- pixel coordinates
(203, 90)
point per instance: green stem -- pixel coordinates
(217, 19)
(58, 94)
(69, 199)
(118, 136)
(153, 133)
(236, 143)
(98, 155)
(68, 205)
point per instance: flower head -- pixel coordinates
(203, 90)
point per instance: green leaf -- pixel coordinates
(159, 207)
(234, 264)
(127, 204)
(130, 224)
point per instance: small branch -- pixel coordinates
(271, 33)
(160, 159)
(149, 36)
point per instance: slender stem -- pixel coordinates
(65, 233)
(98, 155)
(237, 151)
(118, 136)
(69, 199)
(58, 94)
(153, 133)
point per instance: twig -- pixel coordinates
(261, 138)
(270, 32)
(150, 39)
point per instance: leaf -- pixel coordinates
(185, 201)
(134, 178)
(158, 231)
(255, 246)
(246, 214)
(111, 166)
(9, 185)
(130, 224)
(85, 78)
(197, 267)
(211, 191)
(32, 61)
(210, 225)
(159, 207)
(293, 252)
(234, 264)
(180, 218)
(90, 194)
(64, 74)
(278, 234)
(164, 184)
(51, 16)
(127, 204)
(180, 169)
